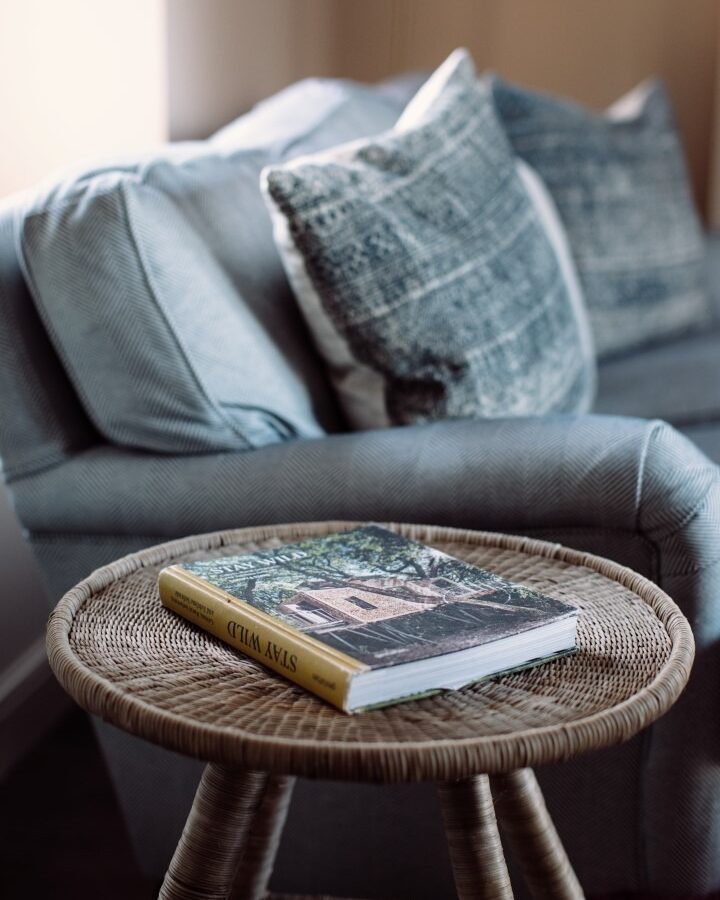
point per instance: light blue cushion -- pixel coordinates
(41, 420)
(161, 289)
(424, 269)
(620, 185)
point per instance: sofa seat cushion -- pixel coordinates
(160, 286)
(678, 381)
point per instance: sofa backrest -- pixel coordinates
(41, 420)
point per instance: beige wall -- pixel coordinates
(224, 55)
(79, 79)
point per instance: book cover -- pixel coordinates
(325, 609)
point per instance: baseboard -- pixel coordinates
(31, 702)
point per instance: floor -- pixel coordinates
(61, 833)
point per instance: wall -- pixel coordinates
(224, 55)
(79, 79)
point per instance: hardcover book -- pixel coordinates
(367, 617)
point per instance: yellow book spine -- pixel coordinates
(315, 667)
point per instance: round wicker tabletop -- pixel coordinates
(126, 658)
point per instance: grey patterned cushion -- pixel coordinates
(425, 271)
(620, 186)
(161, 287)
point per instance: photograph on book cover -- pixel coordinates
(384, 600)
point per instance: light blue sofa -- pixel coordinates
(623, 484)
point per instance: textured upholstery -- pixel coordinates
(427, 470)
(634, 490)
(41, 421)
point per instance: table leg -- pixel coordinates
(205, 861)
(529, 830)
(476, 853)
(264, 839)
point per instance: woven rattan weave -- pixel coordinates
(124, 657)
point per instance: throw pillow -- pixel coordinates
(161, 288)
(621, 188)
(422, 263)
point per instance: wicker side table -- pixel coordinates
(124, 657)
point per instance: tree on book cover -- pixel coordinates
(378, 597)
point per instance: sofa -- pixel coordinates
(636, 481)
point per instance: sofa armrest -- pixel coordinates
(565, 472)
(510, 474)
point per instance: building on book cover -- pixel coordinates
(379, 598)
